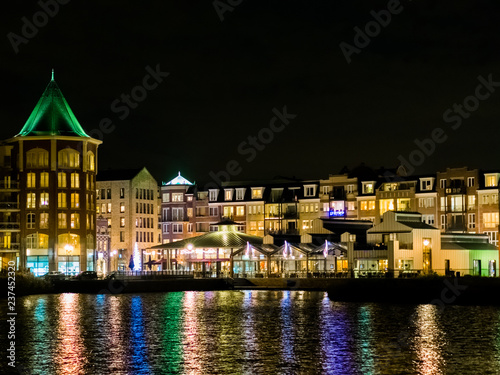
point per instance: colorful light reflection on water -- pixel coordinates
(250, 332)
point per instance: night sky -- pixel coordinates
(225, 78)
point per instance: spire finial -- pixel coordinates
(179, 173)
(52, 75)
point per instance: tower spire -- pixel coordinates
(52, 74)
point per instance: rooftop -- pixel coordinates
(52, 116)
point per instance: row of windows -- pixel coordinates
(67, 158)
(62, 180)
(106, 193)
(144, 208)
(147, 194)
(62, 221)
(145, 222)
(144, 237)
(62, 200)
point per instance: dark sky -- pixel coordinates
(227, 76)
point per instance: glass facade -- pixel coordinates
(39, 265)
(69, 265)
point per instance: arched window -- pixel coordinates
(68, 244)
(91, 161)
(37, 158)
(37, 241)
(68, 158)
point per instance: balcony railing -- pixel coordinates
(456, 190)
(9, 206)
(12, 185)
(14, 246)
(10, 226)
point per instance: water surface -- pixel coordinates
(250, 332)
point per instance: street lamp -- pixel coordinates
(69, 250)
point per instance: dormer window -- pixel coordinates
(491, 180)
(256, 193)
(212, 195)
(368, 187)
(228, 194)
(426, 184)
(240, 194)
(309, 190)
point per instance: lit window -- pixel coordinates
(75, 180)
(122, 193)
(62, 220)
(122, 207)
(240, 210)
(190, 212)
(44, 221)
(228, 194)
(177, 197)
(68, 158)
(75, 200)
(44, 200)
(109, 208)
(44, 180)
(31, 180)
(256, 193)
(367, 187)
(490, 219)
(491, 180)
(75, 221)
(37, 158)
(122, 222)
(61, 179)
(91, 161)
(61, 200)
(31, 200)
(470, 181)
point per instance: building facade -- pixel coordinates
(128, 200)
(54, 161)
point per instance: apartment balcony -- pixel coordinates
(9, 206)
(13, 186)
(14, 248)
(455, 190)
(10, 226)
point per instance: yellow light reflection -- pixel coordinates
(70, 346)
(429, 341)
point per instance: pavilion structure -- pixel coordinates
(209, 254)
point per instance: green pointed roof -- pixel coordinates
(52, 116)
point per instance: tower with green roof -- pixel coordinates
(56, 165)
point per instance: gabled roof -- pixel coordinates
(118, 174)
(52, 116)
(179, 180)
(219, 239)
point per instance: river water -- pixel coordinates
(249, 332)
